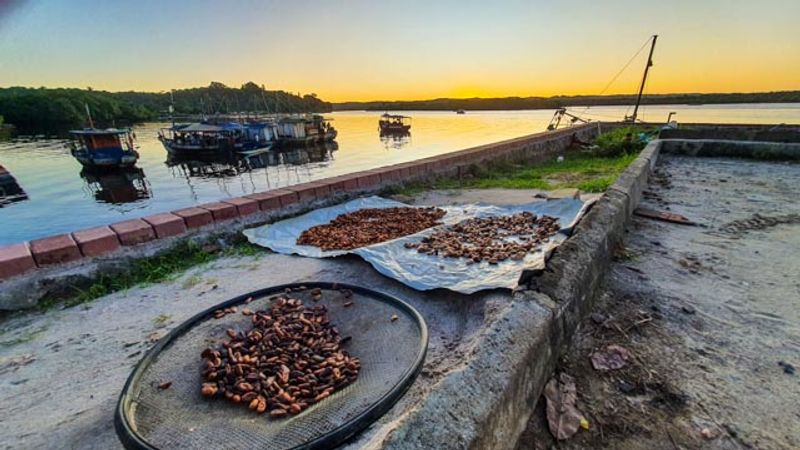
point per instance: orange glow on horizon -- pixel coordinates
(418, 50)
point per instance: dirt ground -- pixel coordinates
(710, 312)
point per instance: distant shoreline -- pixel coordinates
(534, 103)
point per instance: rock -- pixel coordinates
(612, 358)
(598, 318)
(626, 387)
(688, 309)
(707, 433)
(787, 368)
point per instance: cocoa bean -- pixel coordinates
(289, 359)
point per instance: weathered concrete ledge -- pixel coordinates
(29, 271)
(489, 401)
(734, 132)
(781, 151)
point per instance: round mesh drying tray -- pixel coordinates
(391, 354)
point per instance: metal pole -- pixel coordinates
(644, 78)
(172, 107)
(89, 115)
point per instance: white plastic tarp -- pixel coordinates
(421, 271)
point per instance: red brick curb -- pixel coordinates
(96, 241)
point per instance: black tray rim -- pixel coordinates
(131, 439)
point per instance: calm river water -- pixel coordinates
(61, 198)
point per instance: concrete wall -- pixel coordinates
(783, 151)
(735, 132)
(31, 270)
(487, 404)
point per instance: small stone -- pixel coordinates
(598, 318)
(626, 387)
(787, 368)
(707, 433)
(688, 309)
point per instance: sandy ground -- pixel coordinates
(711, 314)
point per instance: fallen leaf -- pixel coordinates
(612, 358)
(563, 416)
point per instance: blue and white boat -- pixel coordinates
(207, 138)
(104, 149)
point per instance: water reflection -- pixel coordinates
(396, 140)
(10, 190)
(118, 186)
(229, 164)
(59, 201)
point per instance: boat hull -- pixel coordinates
(105, 161)
(244, 149)
(308, 140)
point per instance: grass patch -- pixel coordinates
(592, 170)
(585, 171)
(165, 266)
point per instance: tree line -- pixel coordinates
(516, 103)
(65, 107)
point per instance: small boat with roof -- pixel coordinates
(111, 148)
(205, 138)
(305, 129)
(394, 124)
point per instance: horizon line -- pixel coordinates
(87, 88)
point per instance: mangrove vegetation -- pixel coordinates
(59, 108)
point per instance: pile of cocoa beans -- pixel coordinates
(290, 359)
(370, 226)
(492, 239)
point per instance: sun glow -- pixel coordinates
(363, 50)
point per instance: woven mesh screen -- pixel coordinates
(179, 417)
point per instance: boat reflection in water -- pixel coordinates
(10, 190)
(231, 165)
(116, 187)
(395, 140)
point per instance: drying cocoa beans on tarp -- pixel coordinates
(370, 226)
(289, 359)
(493, 239)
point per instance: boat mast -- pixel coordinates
(172, 107)
(632, 118)
(89, 115)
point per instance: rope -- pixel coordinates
(614, 78)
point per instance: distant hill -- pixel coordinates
(43, 107)
(512, 103)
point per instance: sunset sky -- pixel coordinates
(401, 49)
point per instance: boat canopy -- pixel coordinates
(199, 128)
(96, 131)
(394, 116)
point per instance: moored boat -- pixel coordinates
(207, 138)
(111, 148)
(303, 130)
(394, 123)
